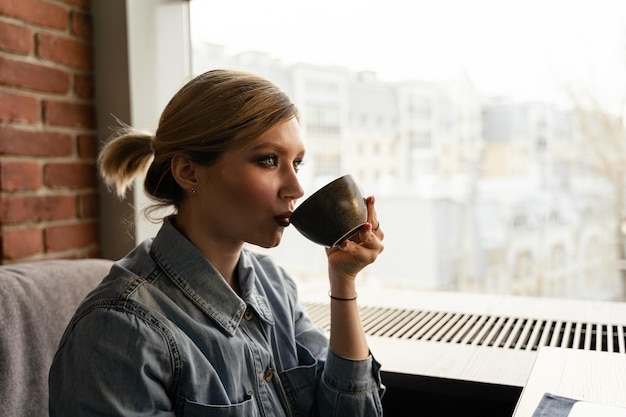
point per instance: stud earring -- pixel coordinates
(193, 190)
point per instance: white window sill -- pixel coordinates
(489, 339)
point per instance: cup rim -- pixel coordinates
(348, 235)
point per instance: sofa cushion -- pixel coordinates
(37, 301)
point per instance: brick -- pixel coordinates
(70, 175)
(26, 209)
(33, 76)
(64, 51)
(60, 113)
(15, 38)
(42, 13)
(84, 86)
(19, 176)
(88, 205)
(58, 238)
(80, 24)
(18, 108)
(14, 141)
(83, 3)
(87, 147)
(21, 243)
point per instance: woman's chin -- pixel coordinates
(270, 243)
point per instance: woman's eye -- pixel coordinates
(271, 161)
(268, 161)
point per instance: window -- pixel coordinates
(474, 130)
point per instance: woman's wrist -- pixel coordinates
(337, 298)
(342, 285)
(344, 290)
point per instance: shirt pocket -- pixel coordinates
(246, 408)
(300, 382)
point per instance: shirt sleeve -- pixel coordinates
(351, 387)
(345, 387)
(111, 363)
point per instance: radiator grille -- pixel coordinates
(503, 332)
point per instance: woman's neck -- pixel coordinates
(223, 256)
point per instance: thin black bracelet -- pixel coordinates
(342, 299)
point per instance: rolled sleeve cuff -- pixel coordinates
(352, 375)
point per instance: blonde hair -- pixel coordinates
(214, 112)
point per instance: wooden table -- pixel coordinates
(586, 375)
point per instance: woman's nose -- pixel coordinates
(292, 188)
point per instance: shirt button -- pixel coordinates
(247, 315)
(269, 374)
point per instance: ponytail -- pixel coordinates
(127, 155)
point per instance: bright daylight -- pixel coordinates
(491, 132)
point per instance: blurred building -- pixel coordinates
(476, 194)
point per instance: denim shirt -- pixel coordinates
(165, 335)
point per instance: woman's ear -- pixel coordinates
(185, 172)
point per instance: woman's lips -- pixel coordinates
(282, 219)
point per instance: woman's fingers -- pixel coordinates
(367, 243)
(364, 247)
(372, 217)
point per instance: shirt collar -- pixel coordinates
(183, 263)
(252, 291)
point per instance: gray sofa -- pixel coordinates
(37, 300)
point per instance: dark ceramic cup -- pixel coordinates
(333, 213)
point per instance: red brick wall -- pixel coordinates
(48, 146)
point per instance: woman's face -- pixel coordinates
(249, 194)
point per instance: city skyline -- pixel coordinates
(539, 47)
(518, 223)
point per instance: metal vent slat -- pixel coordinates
(600, 337)
(435, 323)
(578, 335)
(459, 320)
(485, 327)
(552, 333)
(403, 328)
(542, 334)
(586, 334)
(610, 338)
(378, 321)
(398, 321)
(448, 321)
(372, 315)
(567, 340)
(535, 333)
(465, 329)
(504, 332)
(418, 332)
(495, 331)
(512, 335)
(525, 329)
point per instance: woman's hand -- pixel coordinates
(351, 256)
(347, 337)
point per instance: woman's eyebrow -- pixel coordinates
(272, 147)
(266, 146)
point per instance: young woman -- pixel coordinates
(191, 323)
